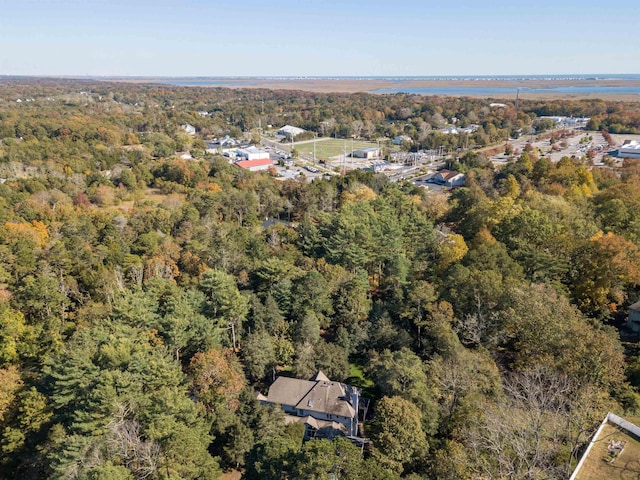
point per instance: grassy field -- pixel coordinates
(332, 147)
(625, 467)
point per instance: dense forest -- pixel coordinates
(143, 301)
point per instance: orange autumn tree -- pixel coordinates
(35, 231)
(605, 267)
(217, 378)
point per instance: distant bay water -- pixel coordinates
(483, 90)
(569, 84)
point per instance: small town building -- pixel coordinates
(449, 178)
(189, 129)
(290, 131)
(255, 165)
(400, 139)
(251, 153)
(629, 149)
(368, 153)
(215, 146)
(380, 166)
(469, 129)
(612, 451)
(562, 121)
(327, 409)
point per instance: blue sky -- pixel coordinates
(317, 37)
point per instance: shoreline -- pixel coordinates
(348, 85)
(352, 85)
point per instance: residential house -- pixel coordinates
(470, 129)
(449, 178)
(328, 409)
(220, 144)
(189, 129)
(633, 322)
(400, 139)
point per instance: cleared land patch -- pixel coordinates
(332, 147)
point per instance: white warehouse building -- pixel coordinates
(629, 149)
(252, 153)
(290, 131)
(368, 153)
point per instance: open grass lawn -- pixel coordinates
(153, 195)
(625, 467)
(357, 375)
(332, 147)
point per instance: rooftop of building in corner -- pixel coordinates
(625, 467)
(254, 163)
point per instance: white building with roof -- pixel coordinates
(449, 178)
(629, 149)
(290, 131)
(368, 153)
(470, 129)
(188, 129)
(252, 153)
(400, 139)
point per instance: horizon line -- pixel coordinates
(325, 77)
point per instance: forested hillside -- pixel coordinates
(143, 302)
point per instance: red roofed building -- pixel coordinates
(255, 165)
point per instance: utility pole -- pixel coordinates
(315, 135)
(344, 158)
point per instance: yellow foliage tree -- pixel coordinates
(10, 383)
(35, 231)
(358, 193)
(607, 265)
(451, 250)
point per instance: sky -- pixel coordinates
(317, 37)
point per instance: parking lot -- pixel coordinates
(426, 181)
(576, 145)
(296, 172)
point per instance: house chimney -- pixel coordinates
(355, 396)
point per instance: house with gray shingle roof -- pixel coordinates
(327, 408)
